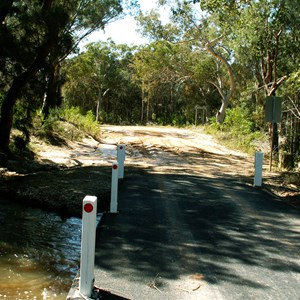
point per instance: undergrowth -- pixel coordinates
(238, 131)
(66, 124)
(85, 122)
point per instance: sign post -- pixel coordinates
(88, 240)
(121, 159)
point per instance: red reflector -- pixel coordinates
(88, 207)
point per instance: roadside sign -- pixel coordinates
(273, 109)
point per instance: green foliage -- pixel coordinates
(66, 124)
(290, 124)
(161, 82)
(179, 120)
(85, 122)
(238, 130)
(50, 129)
(24, 113)
(36, 36)
(100, 80)
(238, 121)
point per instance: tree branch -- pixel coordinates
(218, 88)
(275, 59)
(275, 85)
(297, 113)
(210, 49)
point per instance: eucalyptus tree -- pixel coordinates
(290, 129)
(37, 35)
(264, 35)
(87, 77)
(189, 25)
(164, 73)
(99, 79)
(153, 69)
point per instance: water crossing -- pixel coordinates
(39, 253)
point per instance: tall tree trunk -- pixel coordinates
(220, 116)
(98, 110)
(52, 91)
(142, 108)
(268, 68)
(14, 92)
(147, 109)
(6, 120)
(209, 46)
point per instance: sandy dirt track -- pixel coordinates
(173, 150)
(73, 169)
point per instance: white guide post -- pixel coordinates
(88, 239)
(114, 187)
(258, 164)
(121, 159)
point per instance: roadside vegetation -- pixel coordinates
(62, 125)
(238, 131)
(203, 67)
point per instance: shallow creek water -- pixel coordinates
(39, 253)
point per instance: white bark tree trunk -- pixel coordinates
(225, 97)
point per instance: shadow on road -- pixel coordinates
(176, 225)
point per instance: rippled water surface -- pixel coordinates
(39, 253)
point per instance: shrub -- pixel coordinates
(238, 130)
(86, 123)
(68, 123)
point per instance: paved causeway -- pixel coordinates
(184, 236)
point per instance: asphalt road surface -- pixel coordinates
(181, 234)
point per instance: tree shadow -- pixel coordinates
(175, 225)
(60, 190)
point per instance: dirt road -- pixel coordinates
(193, 151)
(172, 149)
(178, 150)
(69, 171)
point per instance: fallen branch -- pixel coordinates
(152, 284)
(189, 291)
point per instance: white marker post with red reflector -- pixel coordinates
(114, 187)
(258, 166)
(88, 240)
(121, 159)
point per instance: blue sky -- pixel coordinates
(124, 31)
